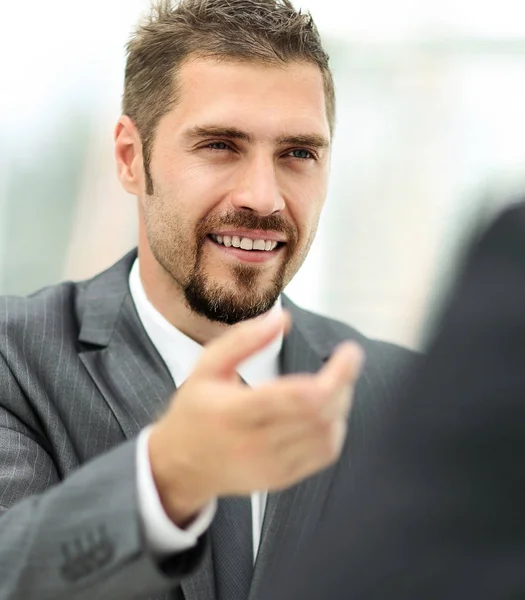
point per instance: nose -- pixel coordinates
(257, 188)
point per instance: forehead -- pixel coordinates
(248, 95)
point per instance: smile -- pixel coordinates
(246, 250)
(245, 243)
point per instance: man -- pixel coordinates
(435, 510)
(116, 486)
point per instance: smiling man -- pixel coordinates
(232, 188)
(166, 426)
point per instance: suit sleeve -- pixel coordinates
(76, 539)
(162, 536)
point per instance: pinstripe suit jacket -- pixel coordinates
(79, 378)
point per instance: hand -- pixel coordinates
(220, 437)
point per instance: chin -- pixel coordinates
(229, 305)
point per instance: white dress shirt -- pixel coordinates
(180, 353)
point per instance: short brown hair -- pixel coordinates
(267, 31)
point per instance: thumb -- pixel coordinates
(223, 355)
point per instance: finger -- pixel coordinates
(289, 434)
(320, 451)
(287, 323)
(295, 397)
(301, 400)
(284, 398)
(240, 342)
(308, 453)
(343, 367)
(339, 405)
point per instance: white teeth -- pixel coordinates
(244, 243)
(247, 244)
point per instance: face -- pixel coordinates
(239, 171)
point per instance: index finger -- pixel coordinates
(224, 354)
(343, 367)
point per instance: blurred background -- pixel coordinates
(430, 142)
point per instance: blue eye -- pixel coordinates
(218, 146)
(301, 154)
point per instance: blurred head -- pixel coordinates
(228, 114)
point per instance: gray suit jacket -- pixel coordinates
(79, 378)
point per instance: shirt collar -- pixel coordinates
(180, 353)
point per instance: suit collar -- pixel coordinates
(118, 353)
(100, 301)
(311, 331)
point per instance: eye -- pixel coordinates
(301, 154)
(217, 146)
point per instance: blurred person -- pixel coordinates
(114, 485)
(434, 505)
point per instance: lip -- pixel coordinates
(246, 256)
(253, 234)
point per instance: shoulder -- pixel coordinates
(387, 367)
(38, 328)
(35, 329)
(325, 333)
(58, 310)
(45, 308)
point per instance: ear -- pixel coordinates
(128, 155)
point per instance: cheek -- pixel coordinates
(194, 190)
(305, 214)
(306, 195)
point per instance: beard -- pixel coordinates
(241, 299)
(237, 302)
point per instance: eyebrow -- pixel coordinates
(312, 140)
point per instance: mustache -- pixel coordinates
(248, 220)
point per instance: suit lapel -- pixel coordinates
(201, 584)
(293, 513)
(129, 373)
(119, 355)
